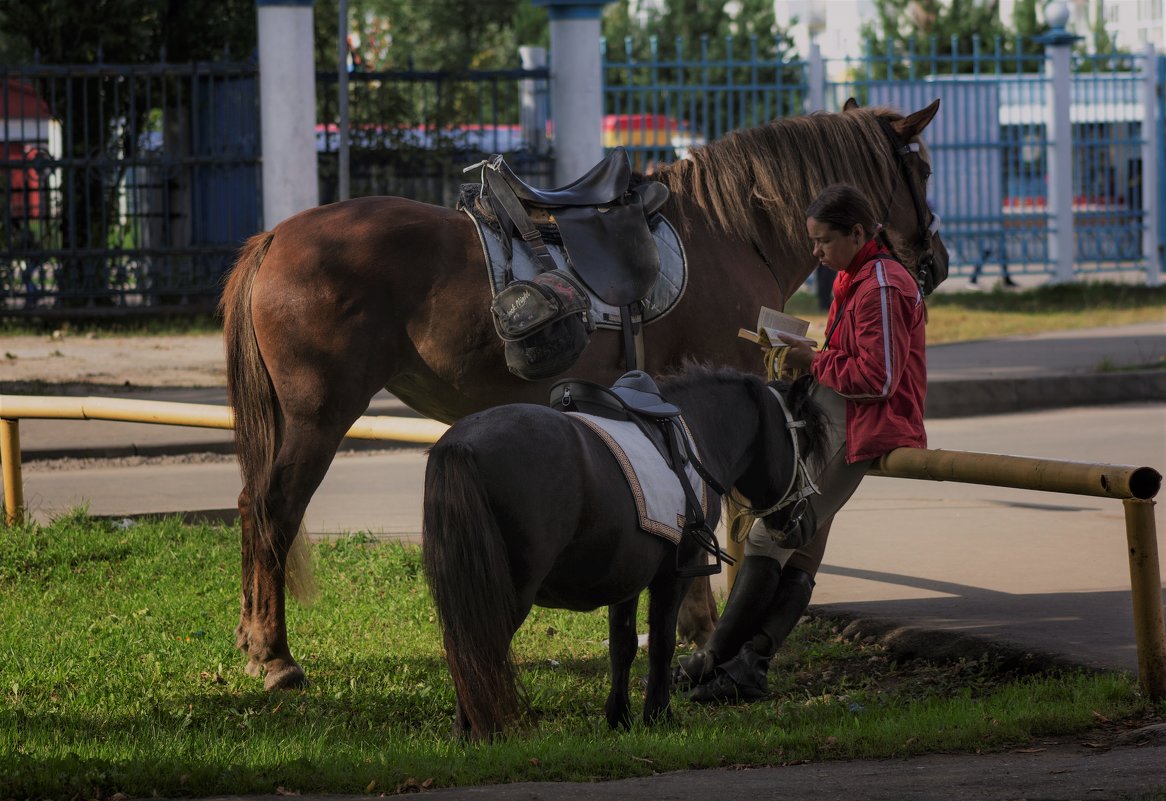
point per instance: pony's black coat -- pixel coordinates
(524, 506)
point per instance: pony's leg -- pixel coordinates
(665, 593)
(299, 467)
(622, 644)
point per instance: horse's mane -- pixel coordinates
(781, 166)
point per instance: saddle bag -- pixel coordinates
(544, 323)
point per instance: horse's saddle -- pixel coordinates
(636, 398)
(599, 234)
(601, 219)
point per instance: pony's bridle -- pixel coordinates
(801, 485)
(928, 221)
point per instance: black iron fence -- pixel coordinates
(413, 132)
(124, 188)
(128, 189)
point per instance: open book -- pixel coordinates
(770, 321)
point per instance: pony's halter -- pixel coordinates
(801, 485)
(927, 220)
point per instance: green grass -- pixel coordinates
(118, 673)
(129, 325)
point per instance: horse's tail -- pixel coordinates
(257, 422)
(469, 577)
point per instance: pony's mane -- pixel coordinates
(697, 376)
(781, 166)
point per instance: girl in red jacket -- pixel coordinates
(872, 379)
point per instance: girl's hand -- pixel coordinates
(801, 354)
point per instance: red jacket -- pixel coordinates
(876, 358)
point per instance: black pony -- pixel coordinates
(526, 505)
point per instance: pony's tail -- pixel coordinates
(257, 422)
(469, 578)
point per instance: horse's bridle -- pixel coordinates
(928, 221)
(801, 485)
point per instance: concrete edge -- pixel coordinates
(970, 398)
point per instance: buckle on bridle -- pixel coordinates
(797, 512)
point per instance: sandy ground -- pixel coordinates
(194, 360)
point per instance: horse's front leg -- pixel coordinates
(622, 644)
(666, 592)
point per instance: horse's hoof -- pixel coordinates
(290, 676)
(254, 668)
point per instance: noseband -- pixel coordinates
(801, 485)
(926, 219)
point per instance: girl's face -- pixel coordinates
(833, 248)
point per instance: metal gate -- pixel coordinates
(124, 188)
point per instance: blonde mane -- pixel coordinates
(780, 167)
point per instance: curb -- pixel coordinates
(964, 398)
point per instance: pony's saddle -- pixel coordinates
(635, 397)
(600, 223)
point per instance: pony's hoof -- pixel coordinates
(254, 668)
(289, 676)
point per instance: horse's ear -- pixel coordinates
(913, 124)
(850, 105)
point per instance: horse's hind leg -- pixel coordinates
(665, 593)
(622, 644)
(300, 465)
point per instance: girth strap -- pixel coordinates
(506, 205)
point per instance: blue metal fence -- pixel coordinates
(989, 146)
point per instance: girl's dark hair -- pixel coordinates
(842, 207)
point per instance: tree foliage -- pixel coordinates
(951, 30)
(125, 31)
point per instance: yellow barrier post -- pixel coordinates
(10, 466)
(1146, 587)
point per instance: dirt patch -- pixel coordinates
(28, 363)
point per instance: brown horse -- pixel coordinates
(340, 301)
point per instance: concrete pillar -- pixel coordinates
(287, 96)
(816, 75)
(532, 102)
(576, 85)
(1058, 44)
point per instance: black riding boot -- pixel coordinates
(752, 593)
(743, 678)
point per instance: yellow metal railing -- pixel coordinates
(1134, 486)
